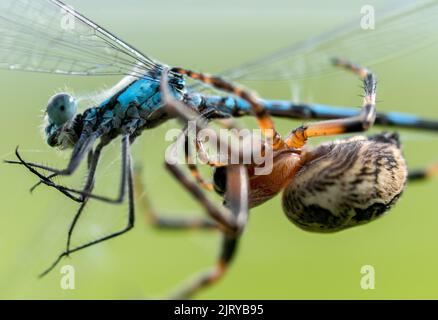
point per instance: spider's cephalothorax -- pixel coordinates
(346, 183)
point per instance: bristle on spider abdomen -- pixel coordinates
(346, 183)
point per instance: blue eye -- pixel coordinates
(61, 108)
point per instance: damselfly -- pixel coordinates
(35, 38)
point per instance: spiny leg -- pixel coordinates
(36, 185)
(290, 110)
(202, 154)
(93, 161)
(317, 111)
(237, 202)
(68, 191)
(350, 66)
(43, 179)
(235, 108)
(227, 251)
(227, 222)
(417, 174)
(205, 157)
(227, 123)
(72, 227)
(362, 122)
(191, 163)
(131, 212)
(198, 177)
(185, 114)
(423, 173)
(171, 223)
(54, 175)
(201, 120)
(81, 148)
(165, 222)
(262, 115)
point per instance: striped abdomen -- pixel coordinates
(346, 183)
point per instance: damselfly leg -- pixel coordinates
(126, 184)
(82, 193)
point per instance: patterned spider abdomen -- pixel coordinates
(346, 183)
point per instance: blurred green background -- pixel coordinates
(275, 259)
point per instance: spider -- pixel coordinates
(329, 188)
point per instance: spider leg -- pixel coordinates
(359, 123)
(291, 110)
(205, 157)
(203, 154)
(127, 181)
(191, 163)
(198, 177)
(174, 223)
(423, 173)
(227, 251)
(166, 222)
(318, 111)
(233, 217)
(227, 221)
(262, 115)
(237, 202)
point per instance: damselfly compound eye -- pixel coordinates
(346, 183)
(60, 126)
(61, 108)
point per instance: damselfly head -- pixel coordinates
(60, 112)
(61, 108)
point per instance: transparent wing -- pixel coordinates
(400, 28)
(49, 36)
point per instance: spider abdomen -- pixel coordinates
(346, 183)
